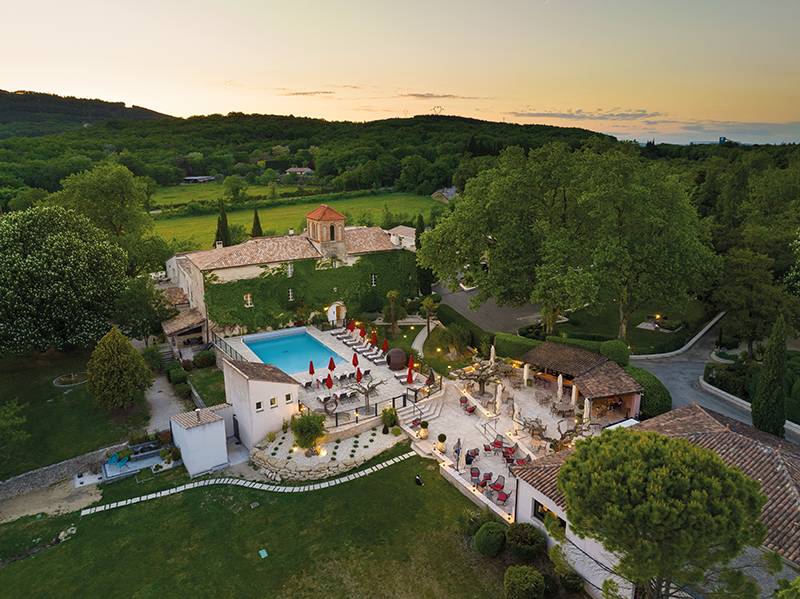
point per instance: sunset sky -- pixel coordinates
(674, 71)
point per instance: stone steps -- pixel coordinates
(429, 410)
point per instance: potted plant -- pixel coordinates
(423, 429)
(442, 447)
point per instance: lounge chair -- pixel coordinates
(380, 359)
(498, 484)
(475, 475)
(502, 497)
(376, 351)
(364, 349)
(366, 373)
(353, 339)
(337, 332)
(306, 383)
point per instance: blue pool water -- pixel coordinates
(291, 351)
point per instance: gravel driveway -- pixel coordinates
(163, 403)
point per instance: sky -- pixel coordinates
(673, 72)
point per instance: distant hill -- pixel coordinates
(33, 114)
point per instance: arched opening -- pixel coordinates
(333, 233)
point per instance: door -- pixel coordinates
(236, 429)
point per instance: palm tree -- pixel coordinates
(430, 307)
(393, 295)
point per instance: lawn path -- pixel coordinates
(250, 484)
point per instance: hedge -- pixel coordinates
(656, 399)
(204, 359)
(592, 346)
(490, 538)
(524, 540)
(512, 346)
(178, 376)
(448, 316)
(523, 582)
(616, 350)
(171, 365)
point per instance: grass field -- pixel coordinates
(281, 218)
(63, 422)
(183, 194)
(377, 536)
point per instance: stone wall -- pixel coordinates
(289, 470)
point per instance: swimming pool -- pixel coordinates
(291, 349)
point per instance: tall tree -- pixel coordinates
(256, 230)
(141, 308)
(769, 403)
(234, 190)
(424, 275)
(393, 295)
(59, 277)
(223, 232)
(668, 509)
(118, 375)
(430, 307)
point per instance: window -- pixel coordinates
(259, 406)
(248, 300)
(539, 512)
(374, 279)
(273, 402)
(288, 398)
(291, 295)
(333, 233)
(289, 270)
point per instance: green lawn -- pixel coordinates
(210, 385)
(377, 536)
(63, 422)
(282, 218)
(183, 194)
(641, 341)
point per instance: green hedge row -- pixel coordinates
(616, 349)
(512, 346)
(656, 399)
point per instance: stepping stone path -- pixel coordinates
(249, 484)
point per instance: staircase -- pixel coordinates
(166, 354)
(419, 412)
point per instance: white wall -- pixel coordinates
(202, 447)
(270, 419)
(237, 393)
(227, 415)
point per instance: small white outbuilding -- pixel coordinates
(202, 437)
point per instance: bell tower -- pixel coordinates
(326, 232)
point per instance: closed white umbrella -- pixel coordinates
(492, 354)
(516, 419)
(526, 373)
(574, 395)
(587, 409)
(560, 387)
(497, 399)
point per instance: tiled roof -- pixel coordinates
(772, 461)
(363, 240)
(403, 231)
(258, 250)
(564, 359)
(324, 212)
(175, 296)
(195, 418)
(262, 372)
(184, 320)
(606, 380)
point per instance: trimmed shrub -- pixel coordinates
(396, 431)
(616, 350)
(489, 540)
(178, 376)
(204, 359)
(187, 365)
(524, 540)
(572, 582)
(183, 390)
(175, 454)
(171, 365)
(550, 586)
(385, 430)
(389, 417)
(655, 399)
(592, 346)
(442, 437)
(589, 336)
(523, 582)
(512, 346)
(163, 453)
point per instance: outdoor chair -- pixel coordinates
(502, 497)
(376, 352)
(487, 449)
(351, 342)
(366, 373)
(475, 475)
(487, 477)
(475, 453)
(366, 348)
(498, 442)
(470, 409)
(337, 332)
(498, 484)
(306, 383)
(463, 401)
(380, 359)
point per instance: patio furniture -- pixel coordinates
(497, 444)
(351, 342)
(475, 475)
(366, 373)
(523, 461)
(502, 497)
(463, 401)
(516, 384)
(564, 408)
(470, 409)
(487, 449)
(306, 383)
(498, 484)
(113, 459)
(487, 478)
(336, 332)
(323, 398)
(122, 462)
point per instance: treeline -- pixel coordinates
(33, 114)
(419, 154)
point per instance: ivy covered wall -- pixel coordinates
(314, 286)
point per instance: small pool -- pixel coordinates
(291, 349)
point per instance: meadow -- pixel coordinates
(210, 192)
(280, 219)
(376, 536)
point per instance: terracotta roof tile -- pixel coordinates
(184, 320)
(606, 380)
(324, 212)
(364, 240)
(565, 359)
(772, 461)
(403, 231)
(175, 296)
(262, 372)
(258, 250)
(196, 418)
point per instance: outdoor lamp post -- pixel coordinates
(356, 416)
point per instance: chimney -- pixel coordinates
(291, 231)
(218, 245)
(197, 411)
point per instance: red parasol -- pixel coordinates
(358, 375)
(355, 359)
(311, 367)
(352, 326)
(410, 377)
(410, 362)
(374, 338)
(385, 347)
(363, 331)
(331, 365)
(329, 381)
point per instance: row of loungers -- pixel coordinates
(361, 346)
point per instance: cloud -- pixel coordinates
(430, 96)
(615, 114)
(312, 93)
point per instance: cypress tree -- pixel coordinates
(424, 275)
(256, 232)
(223, 232)
(769, 405)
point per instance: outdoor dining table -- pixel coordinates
(563, 407)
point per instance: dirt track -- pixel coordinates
(61, 497)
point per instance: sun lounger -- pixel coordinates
(337, 332)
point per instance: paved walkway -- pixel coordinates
(249, 484)
(490, 316)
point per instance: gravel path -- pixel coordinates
(163, 402)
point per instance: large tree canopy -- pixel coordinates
(669, 510)
(141, 309)
(59, 278)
